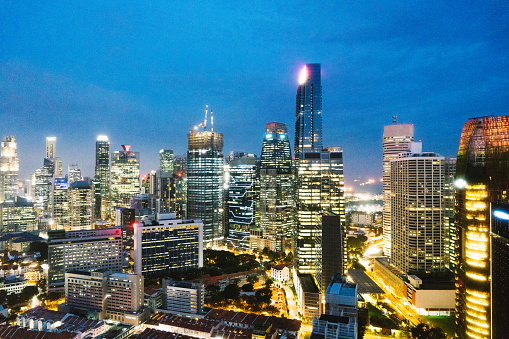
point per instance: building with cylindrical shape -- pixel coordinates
(482, 180)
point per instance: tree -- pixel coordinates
(28, 293)
(263, 295)
(268, 283)
(3, 296)
(12, 300)
(424, 331)
(41, 247)
(247, 288)
(231, 292)
(252, 278)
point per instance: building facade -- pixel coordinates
(9, 168)
(171, 246)
(183, 297)
(18, 215)
(102, 177)
(125, 176)
(481, 180)
(275, 195)
(205, 181)
(397, 138)
(86, 250)
(81, 206)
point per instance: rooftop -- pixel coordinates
(364, 283)
(308, 283)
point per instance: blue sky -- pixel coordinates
(142, 73)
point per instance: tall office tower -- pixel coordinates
(318, 181)
(181, 186)
(17, 215)
(481, 180)
(86, 250)
(73, 173)
(418, 213)
(102, 177)
(332, 249)
(308, 124)
(61, 204)
(165, 193)
(59, 168)
(171, 246)
(81, 206)
(449, 199)
(51, 145)
(9, 168)
(241, 179)
(166, 160)
(43, 187)
(205, 183)
(125, 176)
(397, 138)
(500, 266)
(275, 194)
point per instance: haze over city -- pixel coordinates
(143, 73)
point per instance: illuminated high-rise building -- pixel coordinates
(125, 177)
(397, 138)
(102, 176)
(482, 181)
(318, 181)
(419, 229)
(205, 178)
(9, 168)
(308, 124)
(81, 206)
(17, 215)
(59, 168)
(240, 195)
(73, 173)
(60, 204)
(51, 145)
(166, 160)
(275, 195)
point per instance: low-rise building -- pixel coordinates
(328, 326)
(13, 284)
(308, 294)
(280, 273)
(183, 297)
(153, 298)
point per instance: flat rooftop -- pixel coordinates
(364, 283)
(308, 283)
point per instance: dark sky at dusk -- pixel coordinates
(143, 72)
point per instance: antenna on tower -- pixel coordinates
(211, 121)
(394, 117)
(204, 124)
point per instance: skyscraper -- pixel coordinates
(240, 204)
(275, 196)
(205, 178)
(166, 160)
(9, 168)
(308, 124)
(125, 176)
(51, 145)
(482, 180)
(419, 227)
(319, 182)
(61, 204)
(73, 173)
(397, 138)
(81, 204)
(102, 176)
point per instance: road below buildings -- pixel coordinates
(293, 311)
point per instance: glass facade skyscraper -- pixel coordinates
(9, 168)
(102, 177)
(166, 160)
(81, 204)
(125, 177)
(482, 180)
(205, 180)
(319, 182)
(275, 196)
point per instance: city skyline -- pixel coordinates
(79, 72)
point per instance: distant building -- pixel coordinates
(9, 168)
(166, 160)
(125, 176)
(205, 183)
(61, 208)
(183, 297)
(102, 177)
(124, 216)
(86, 250)
(73, 173)
(275, 195)
(81, 206)
(17, 215)
(397, 138)
(171, 246)
(240, 203)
